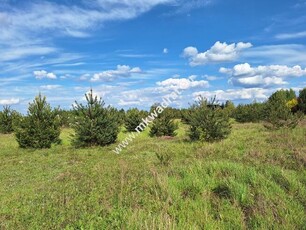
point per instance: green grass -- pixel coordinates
(255, 179)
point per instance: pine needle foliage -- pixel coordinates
(208, 121)
(40, 128)
(94, 124)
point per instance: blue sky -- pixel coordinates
(134, 52)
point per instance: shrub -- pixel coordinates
(302, 101)
(94, 124)
(163, 125)
(40, 128)
(249, 113)
(278, 113)
(65, 117)
(121, 117)
(7, 117)
(132, 119)
(292, 105)
(229, 108)
(208, 121)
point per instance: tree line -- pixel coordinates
(95, 124)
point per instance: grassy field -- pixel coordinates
(256, 179)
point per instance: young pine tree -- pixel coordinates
(132, 119)
(94, 125)
(253, 112)
(278, 114)
(164, 124)
(302, 101)
(208, 121)
(40, 127)
(7, 117)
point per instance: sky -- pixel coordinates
(134, 52)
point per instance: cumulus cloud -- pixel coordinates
(122, 71)
(165, 51)
(219, 52)
(40, 74)
(236, 94)
(11, 101)
(183, 83)
(257, 81)
(262, 76)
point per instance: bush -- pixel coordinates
(132, 119)
(278, 113)
(94, 125)
(121, 117)
(302, 101)
(164, 125)
(7, 117)
(249, 113)
(65, 117)
(40, 128)
(229, 108)
(208, 121)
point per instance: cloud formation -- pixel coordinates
(122, 71)
(11, 101)
(219, 52)
(285, 36)
(50, 87)
(182, 83)
(262, 76)
(41, 74)
(236, 94)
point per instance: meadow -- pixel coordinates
(255, 179)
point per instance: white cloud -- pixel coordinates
(165, 51)
(71, 20)
(40, 74)
(291, 35)
(26, 28)
(84, 77)
(287, 54)
(14, 53)
(11, 101)
(219, 52)
(186, 6)
(50, 87)
(128, 103)
(262, 76)
(182, 83)
(236, 94)
(211, 78)
(257, 81)
(122, 71)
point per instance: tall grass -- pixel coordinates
(255, 179)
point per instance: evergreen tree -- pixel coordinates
(229, 108)
(164, 125)
(133, 119)
(65, 117)
(40, 128)
(208, 122)
(95, 125)
(121, 116)
(278, 113)
(249, 113)
(302, 101)
(6, 120)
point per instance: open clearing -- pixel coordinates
(254, 179)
